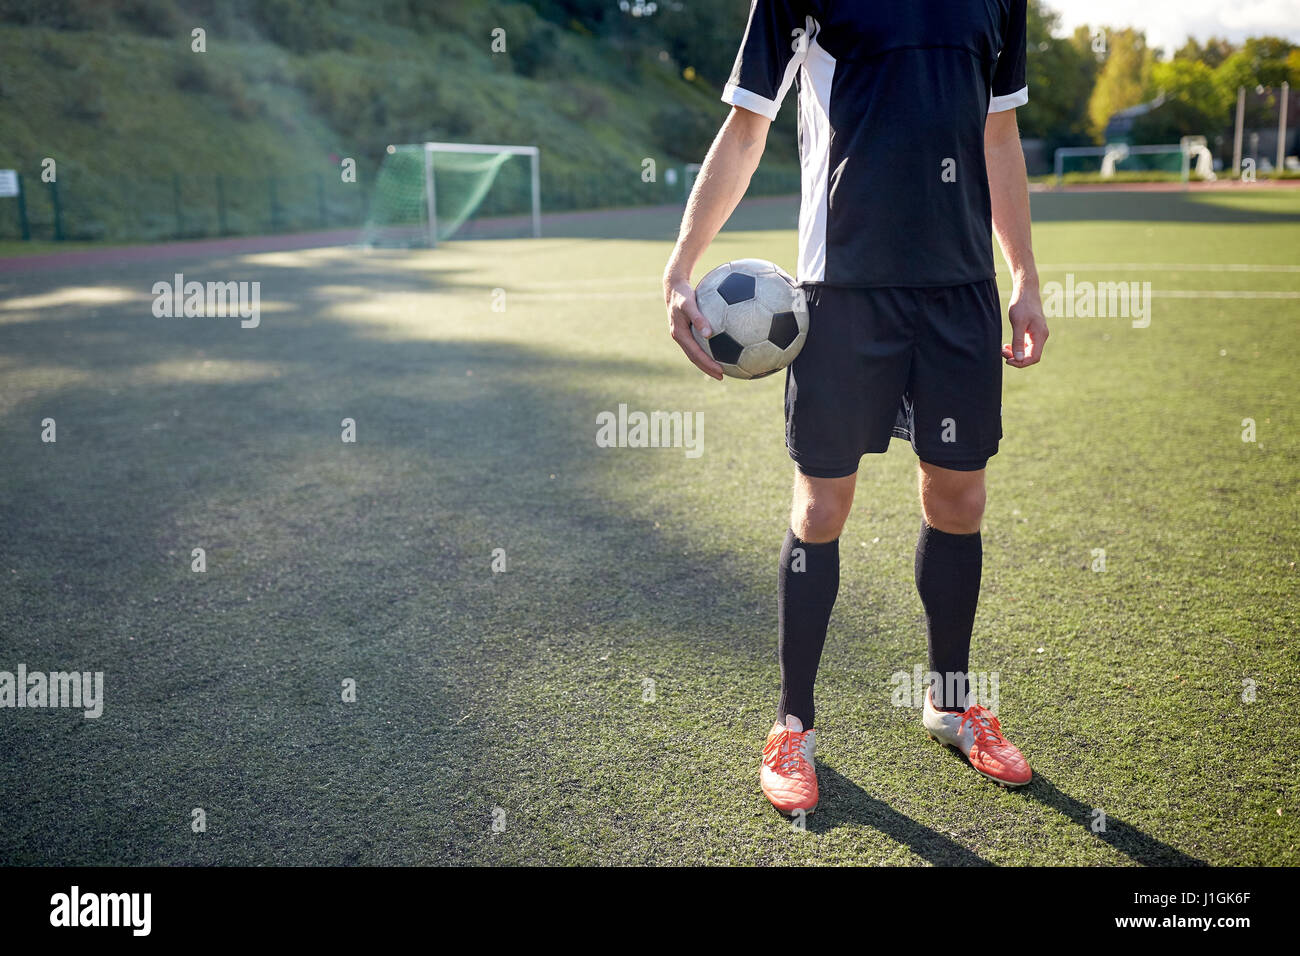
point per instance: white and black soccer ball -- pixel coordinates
(758, 316)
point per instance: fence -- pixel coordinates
(80, 205)
(181, 206)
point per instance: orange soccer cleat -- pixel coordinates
(787, 775)
(977, 734)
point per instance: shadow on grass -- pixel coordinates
(328, 562)
(843, 802)
(1127, 839)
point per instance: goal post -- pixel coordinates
(426, 192)
(534, 175)
(1173, 159)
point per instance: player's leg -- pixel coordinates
(807, 583)
(949, 563)
(956, 390)
(841, 396)
(808, 580)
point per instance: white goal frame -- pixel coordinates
(1119, 152)
(532, 152)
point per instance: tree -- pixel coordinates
(1191, 82)
(1194, 104)
(1212, 53)
(1262, 61)
(1060, 72)
(1124, 78)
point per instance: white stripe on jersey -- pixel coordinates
(814, 112)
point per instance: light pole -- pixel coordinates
(1281, 128)
(1236, 137)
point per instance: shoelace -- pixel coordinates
(784, 752)
(984, 725)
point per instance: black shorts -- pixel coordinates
(921, 364)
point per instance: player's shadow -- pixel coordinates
(844, 803)
(1140, 847)
(1127, 839)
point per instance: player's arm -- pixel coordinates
(1009, 190)
(1009, 194)
(773, 48)
(724, 176)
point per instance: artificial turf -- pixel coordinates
(524, 698)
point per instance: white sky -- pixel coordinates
(1168, 23)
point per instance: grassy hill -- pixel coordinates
(149, 137)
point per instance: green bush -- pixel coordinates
(158, 18)
(582, 101)
(298, 25)
(1121, 176)
(230, 86)
(55, 54)
(539, 50)
(192, 74)
(58, 14)
(85, 104)
(347, 96)
(683, 134)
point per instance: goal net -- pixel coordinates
(426, 193)
(1176, 162)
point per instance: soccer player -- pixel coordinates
(910, 159)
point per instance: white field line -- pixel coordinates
(1204, 294)
(1220, 294)
(574, 288)
(1155, 293)
(647, 294)
(595, 280)
(1050, 267)
(1168, 267)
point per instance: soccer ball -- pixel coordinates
(758, 316)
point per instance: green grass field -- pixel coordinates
(524, 690)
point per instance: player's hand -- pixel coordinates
(683, 313)
(1028, 329)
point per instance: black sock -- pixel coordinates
(948, 579)
(807, 582)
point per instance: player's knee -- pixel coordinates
(956, 510)
(820, 517)
(818, 524)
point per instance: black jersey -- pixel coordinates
(893, 97)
